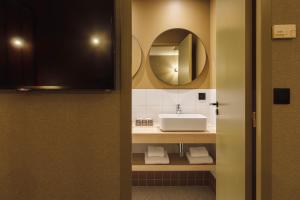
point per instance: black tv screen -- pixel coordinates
(57, 44)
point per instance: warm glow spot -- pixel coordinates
(174, 8)
(50, 87)
(17, 42)
(95, 41)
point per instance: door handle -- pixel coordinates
(215, 104)
(217, 107)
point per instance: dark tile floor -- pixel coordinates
(173, 193)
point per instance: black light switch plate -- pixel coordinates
(282, 96)
(202, 96)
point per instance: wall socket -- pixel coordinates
(202, 96)
(282, 96)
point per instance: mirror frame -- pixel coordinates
(133, 74)
(203, 67)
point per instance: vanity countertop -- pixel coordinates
(153, 135)
(155, 130)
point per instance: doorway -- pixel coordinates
(230, 53)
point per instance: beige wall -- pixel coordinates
(213, 43)
(286, 118)
(67, 146)
(59, 146)
(150, 18)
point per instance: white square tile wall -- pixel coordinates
(151, 102)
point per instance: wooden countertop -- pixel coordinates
(153, 135)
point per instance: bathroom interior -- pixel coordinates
(66, 128)
(173, 99)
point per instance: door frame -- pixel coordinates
(264, 100)
(124, 37)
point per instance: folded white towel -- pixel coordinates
(198, 152)
(199, 160)
(156, 151)
(156, 160)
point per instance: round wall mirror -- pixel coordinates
(137, 55)
(177, 57)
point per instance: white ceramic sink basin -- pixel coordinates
(183, 122)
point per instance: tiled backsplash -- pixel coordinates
(151, 102)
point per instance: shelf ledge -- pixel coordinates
(177, 163)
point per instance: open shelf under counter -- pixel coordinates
(153, 135)
(177, 163)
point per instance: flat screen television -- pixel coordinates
(57, 44)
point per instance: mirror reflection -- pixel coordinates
(137, 54)
(177, 57)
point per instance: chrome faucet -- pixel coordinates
(178, 109)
